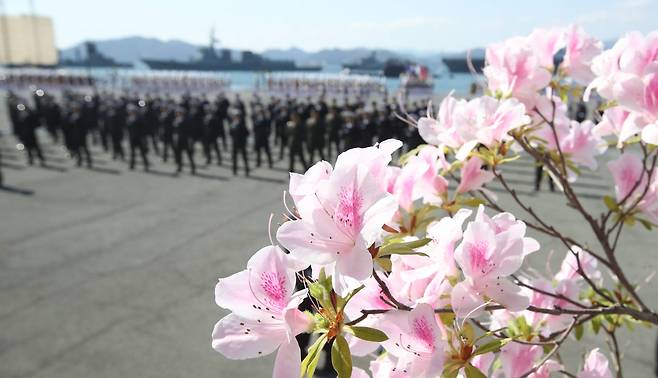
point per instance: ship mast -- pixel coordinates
(213, 40)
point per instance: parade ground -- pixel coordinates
(110, 272)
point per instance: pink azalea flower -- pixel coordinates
(487, 121)
(553, 109)
(546, 369)
(580, 50)
(462, 124)
(370, 297)
(628, 74)
(569, 268)
(483, 362)
(308, 183)
(517, 359)
(415, 339)
(444, 233)
(343, 218)
(264, 312)
(546, 42)
(515, 68)
(619, 122)
(582, 145)
(473, 176)
(441, 131)
(387, 366)
(418, 279)
(627, 170)
(491, 250)
(420, 179)
(596, 366)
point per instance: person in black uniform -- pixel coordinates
(53, 118)
(183, 133)
(317, 129)
(28, 122)
(385, 128)
(297, 130)
(262, 130)
(239, 135)
(281, 123)
(79, 131)
(167, 116)
(212, 126)
(151, 119)
(335, 124)
(117, 120)
(137, 133)
(353, 134)
(223, 105)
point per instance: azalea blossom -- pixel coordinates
(596, 366)
(491, 250)
(462, 125)
(473, 176)
(415, 340)
(619, 122)
(264, 315)
(518, 359)
(515, 68)
(631, 182)
(419, 178)
(580, 50)
(343, 218)
(582, 145)
(628, 74)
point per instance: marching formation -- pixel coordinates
(139, 128)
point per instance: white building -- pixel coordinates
(27, 40)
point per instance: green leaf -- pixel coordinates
(579, 331)
(471, 202)
(311, 361)
(385, 263)
(596, 325)
(491, 346)
(403, 247)
(451, 369)
(367, 334)
(509, 159)
(468, 333)
(648, 225)
(320, 292)
(341, 302)
(341, 359)
(404, 158)
(611, 203)
(473, 372)
(447, 318)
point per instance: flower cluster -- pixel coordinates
(414, 263)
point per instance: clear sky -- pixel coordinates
(418, 25)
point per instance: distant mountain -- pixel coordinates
(132, 49)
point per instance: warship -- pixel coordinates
(93, 59)
(211, 61)
(460, 64)
(371, 65)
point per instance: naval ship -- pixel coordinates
(459, 64)
(211, 61)
(93, 59)
(372, 66)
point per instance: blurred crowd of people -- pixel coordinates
(139, 128)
